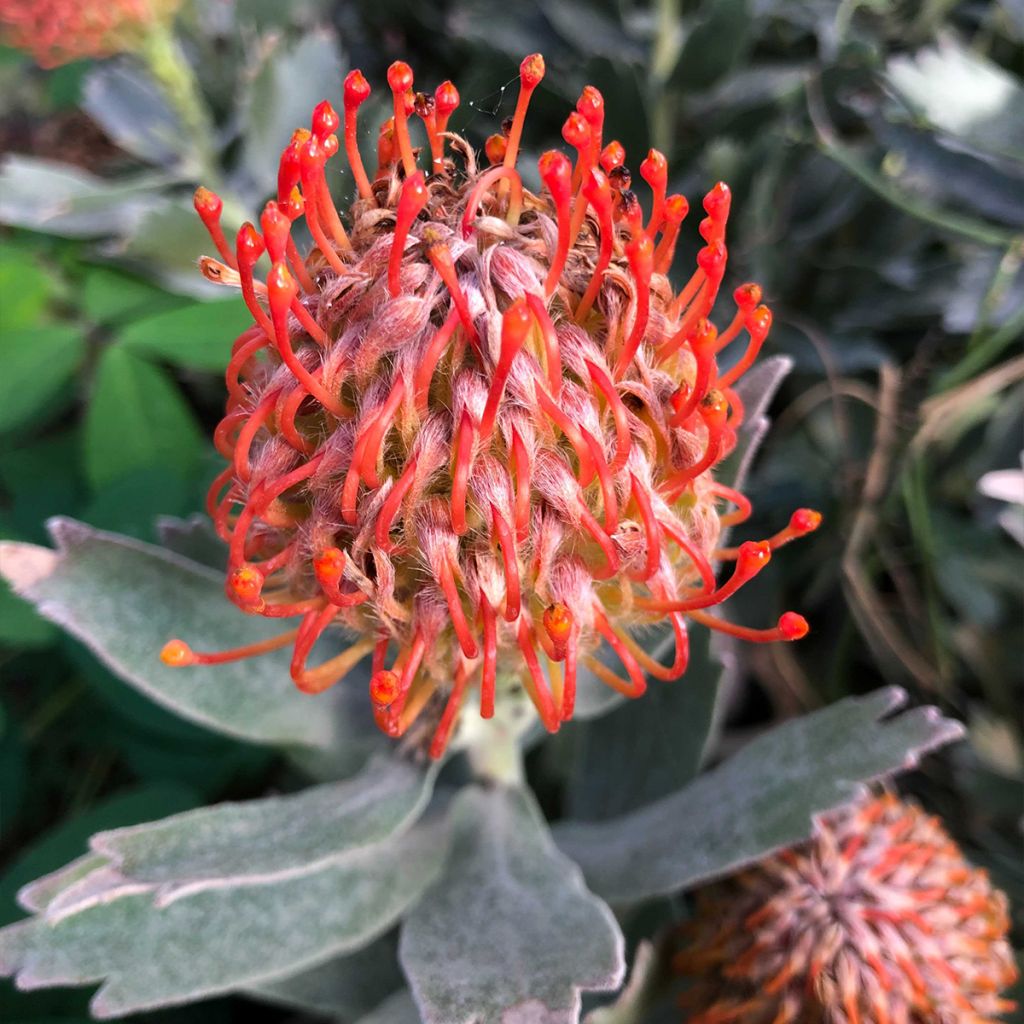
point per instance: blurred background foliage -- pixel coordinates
(876, 153)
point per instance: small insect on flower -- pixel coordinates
(877, 920)
(475, 427)
(56, 32)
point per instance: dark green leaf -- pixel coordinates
(37, 362)
(137, 419)
(198, 336)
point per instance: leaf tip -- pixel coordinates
(25, 565)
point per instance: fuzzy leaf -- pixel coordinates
(346, 987)
(509, 933)
(124, 600)
(60, 200)
(646, 748)
(130, 108)
(760, 800)
(286, 85)
(224, 845)
(151, 954)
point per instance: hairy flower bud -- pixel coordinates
(878, 918)
(477, 428)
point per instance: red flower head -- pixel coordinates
(58, 31)
(477, 427)
(877, 919)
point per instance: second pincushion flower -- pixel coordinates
(477, 428)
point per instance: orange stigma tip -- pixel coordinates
(793, 626)
(325, 121)
(250, 244)
(281, 287)
(676, 208)
(716, 202)
(384, 688)
(446, 99)
(576, 131)
(805, 520)
(591, 106)
(356, 89)
(711, 259)
(654, 169)
(208, 204)
(177, 653)
(613, 155)
(246, 583)
(495, 148)
(714, 409)
(329, 564)
(747, 296)
(753, 557)
(558, 622)
(759, 322)
(400, 77)
(531, 71)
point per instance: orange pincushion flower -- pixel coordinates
(877, 920)
(477, 427)
(58, 31)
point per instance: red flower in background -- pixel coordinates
(477, 427)
(877, 920)
(56, 32)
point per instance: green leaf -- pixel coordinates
(718, 41)
(60, 200)
(124, 600)
(231, 843)
(134, 114)
(193, 538)
(137, 418)
(37, 362)
(65, 839)
(110, 297)
(645, 748)
(760, 800)
(25, 291)
(963, 93)
(198, 336)
(287, 84)
(509, 933)
(347, 987)
(150, 952)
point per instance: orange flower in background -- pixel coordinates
(477, 427)
(877, 920)
(56, 32)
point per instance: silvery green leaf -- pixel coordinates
(348, 987)
(193, 538)
(165, 242)
(963, 93)
(259, 840)
(645, 748)
(150, 954)
(399, 1008)
(756, 389)
(289, 82)
(134, 114)
(760, 800)
(508, 933)
(124, 600)
(57, 199)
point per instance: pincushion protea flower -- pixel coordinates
(877, 920)
(477, 427)
(58, 31)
